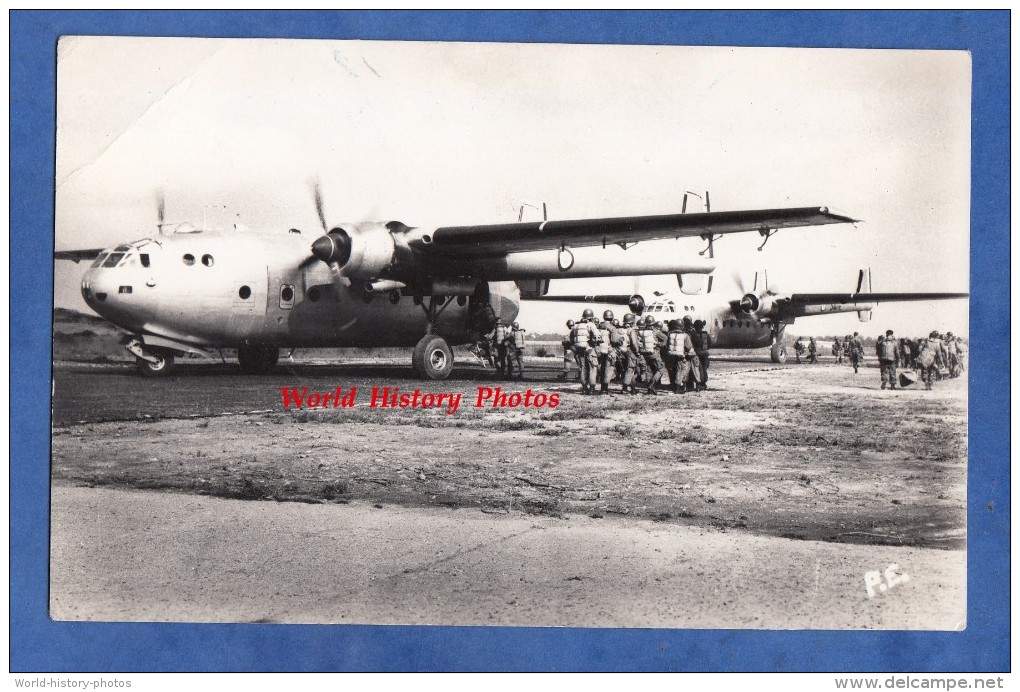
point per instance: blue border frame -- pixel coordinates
(37, 644)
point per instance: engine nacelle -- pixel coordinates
(636, 304)
(361, 251)
(759, 306)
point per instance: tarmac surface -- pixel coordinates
(89, 392)
(167, 557)
(785, 497)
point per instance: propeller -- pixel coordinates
(160, 208)
(739, 281)
(334, 246)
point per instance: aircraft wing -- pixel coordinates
(805, 304)
(77, 255)
(828, 298)
(499, 239)
(615, 299)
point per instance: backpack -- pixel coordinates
(676, 344)
(646, 338)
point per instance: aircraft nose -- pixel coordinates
(104, 294)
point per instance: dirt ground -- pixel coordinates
(788, 456)
(810, 452)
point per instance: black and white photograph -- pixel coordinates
(506, 334)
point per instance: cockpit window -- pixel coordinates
(122, 248)
(112, 260)
(99, 260)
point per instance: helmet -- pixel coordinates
(949, 334)
(628, 319)
(603, 325)
(608, 315)
(649, 321)
(516, 325)
(570, 323)
(699, 324)
(888, 332)
(687, 321)
(499, 320)
(616, 322)
(674, 324)
(934, 335)
(658, 324)
(588, 314)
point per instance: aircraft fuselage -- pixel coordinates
(216, 289)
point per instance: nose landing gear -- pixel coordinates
(151, 362)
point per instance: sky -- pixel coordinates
(459, 133)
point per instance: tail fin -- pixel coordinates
(864, 286)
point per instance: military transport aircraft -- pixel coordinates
(756, 319)
(187, 290)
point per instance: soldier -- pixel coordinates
(856, 351)
(606, 356)
(837, 351)
(648, 348)
(629, 353)
(702, 347)
(617, 341)
(798, 347)
(585, 337)
(961, 353)
(679, 348)
(481, 322)
(931, 358)
(953, 354)
(846, 348)
(692, 382)
(813, 351)
(905, 353)
(568, 353)
(515, 345)
(888, 355)
(499, 346)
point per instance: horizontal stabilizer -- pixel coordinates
(77, 255)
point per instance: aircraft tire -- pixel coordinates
(778, 353)
(257, 360)
(432, 358)
(159, 369)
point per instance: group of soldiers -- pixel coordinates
(503, 347)
(850, 350)
(812, 349)
(933, 358)
(636, 351)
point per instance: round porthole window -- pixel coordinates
(287, 293)
(188, 259)
(207, 260)
(313, 293)
(244, 292)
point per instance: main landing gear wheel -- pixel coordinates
(432, 358)
(778, 353)
(161, 368)
(257, 360)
